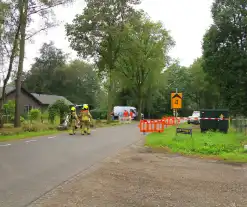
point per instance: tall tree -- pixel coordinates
(9, 42)
(26, 9)
(23, 9)
(50, 74)
(143, 55)
(202, 92)
(225, 52)
(43, 72)
(95, 34)
(78, 82)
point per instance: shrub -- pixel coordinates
(52, 114)
(99, 114)
(10, 130)
(35, 127)
(12, 119)
(60, 108)
(35, 114)
(9, 108)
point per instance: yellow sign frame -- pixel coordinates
(176, 100)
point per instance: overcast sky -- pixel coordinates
(187, 21)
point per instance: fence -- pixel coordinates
(240, 125)
(7, 119)
(157, 125)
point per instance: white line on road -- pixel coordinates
(32, 140)
(52, 137)
(4, 145)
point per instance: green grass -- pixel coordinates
(24, 135)
(9, 133)
(210, 144)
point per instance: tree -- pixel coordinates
(23, 9)
(202, 92)
(26, 9)
(225, 53)
(81, 78)
(95, 34)
(143, 56)
(40, 78)
(50, 74)
(9, 42)
(60, 108)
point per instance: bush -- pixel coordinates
(35, 114)
(12, 119)
(58, 108)
(10, 130)
(52, 114)
(35, 127)
(9, 108)
(99, 114)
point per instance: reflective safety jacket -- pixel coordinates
(85, 115)
(73, 116)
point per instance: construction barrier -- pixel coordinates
(157, 125)
(151, 126)
(170, 121)
(204, 118)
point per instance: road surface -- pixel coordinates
(30, 168)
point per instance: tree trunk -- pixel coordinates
(23, 4)
(11, 60)
(140, 102)
(109, 108)
(139, 108)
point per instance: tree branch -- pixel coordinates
(33, 34)
(47, 7)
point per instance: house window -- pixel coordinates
(27, 108)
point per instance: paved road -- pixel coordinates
(29, 168)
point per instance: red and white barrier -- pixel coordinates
(204, 118)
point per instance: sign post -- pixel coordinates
(176, 103)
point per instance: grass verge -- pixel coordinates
(9, 133)
(25, 135)
(215, 145)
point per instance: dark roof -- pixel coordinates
(50, 99)
(42, 98)
(8, 90)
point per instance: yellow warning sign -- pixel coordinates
(176, 100)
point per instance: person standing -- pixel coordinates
(73, 120)
(131, 115)
(86, 117)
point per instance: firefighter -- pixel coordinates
(86, 118)
(73, 120)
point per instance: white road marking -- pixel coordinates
(52, 137)
(4, 145)
(32, 140)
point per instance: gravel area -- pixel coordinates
(136, 177)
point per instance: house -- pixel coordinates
(29, 101)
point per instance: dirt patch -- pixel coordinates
(136, 178)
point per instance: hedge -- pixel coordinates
(99, 114)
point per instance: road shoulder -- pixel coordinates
(136, 177)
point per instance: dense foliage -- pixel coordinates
(123, 60)
(225, 54)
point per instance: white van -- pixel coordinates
(119, 110)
